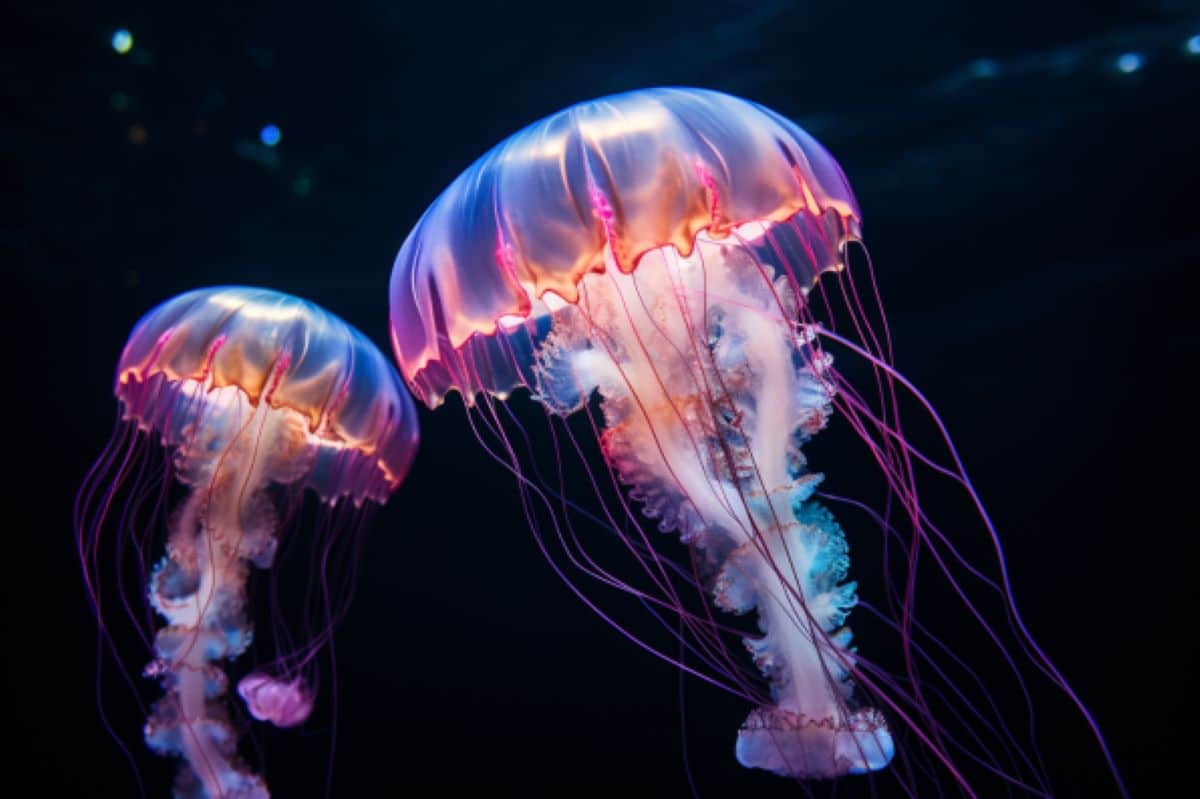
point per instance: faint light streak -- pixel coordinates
(1128, 63)
(122, 41)
(635, 120)
(985, 68)
(256, 152)
(270, 135)
(553, 301)
(233, 301)
(510, 322)
(1064, 61)
(752, 231)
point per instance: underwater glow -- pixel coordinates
(1192, 45)
(122, 41)
(253, 396)
(668, 274)
(985, 68)
(270, 135)
(1129, 62)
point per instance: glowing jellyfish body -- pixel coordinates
(650, 263)
(257, 396)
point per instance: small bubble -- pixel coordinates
(122, 41)
(1129, 62)
(270, 135)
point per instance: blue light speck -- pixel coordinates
(1129, 62)
(122, 41)
(270, 135)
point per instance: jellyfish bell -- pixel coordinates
(652, 263)
(258, 397)
(213, 354)
(606, 181)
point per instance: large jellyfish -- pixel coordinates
(649, 267)
(255, 396)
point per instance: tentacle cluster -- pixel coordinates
(227, 523)
(709, 393)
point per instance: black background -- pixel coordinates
(1034, 232)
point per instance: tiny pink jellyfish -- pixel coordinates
(283, 703)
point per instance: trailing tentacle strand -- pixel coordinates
(227, 523)
(709, 392)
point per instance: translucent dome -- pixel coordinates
(625, 175)
(286, 352)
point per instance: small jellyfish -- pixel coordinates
(668, 274)
(233, 401)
